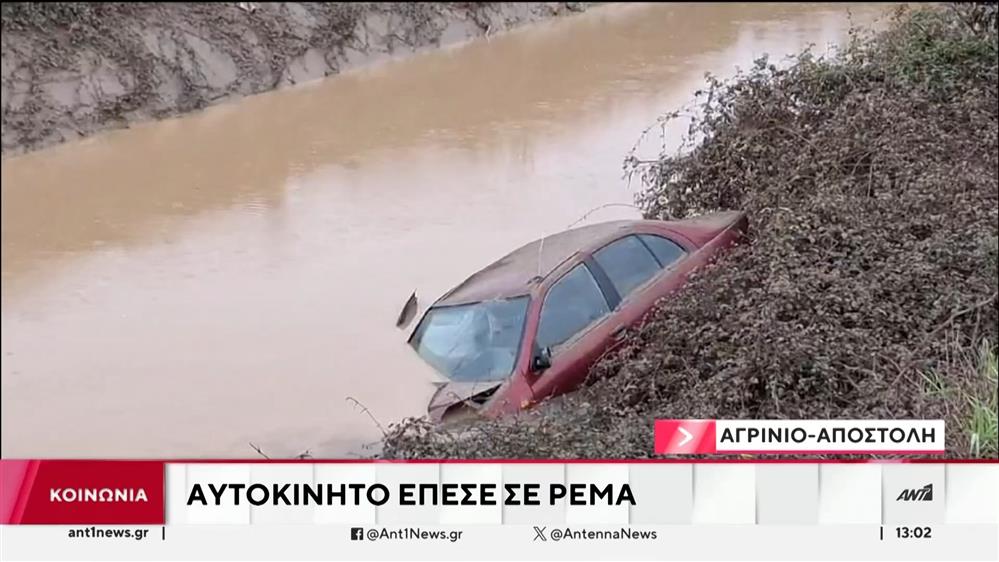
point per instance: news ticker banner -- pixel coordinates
(55, 492)
(519, 493)
(499, 510)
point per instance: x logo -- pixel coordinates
(539, 533)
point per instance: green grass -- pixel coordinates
(982, 424)
(973, 399)
(935, 384)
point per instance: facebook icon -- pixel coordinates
(356, 533)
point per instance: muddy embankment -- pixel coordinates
(71, 69)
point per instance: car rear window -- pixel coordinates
(628, 263)
(573, 303)
(665, 250)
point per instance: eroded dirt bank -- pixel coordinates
(71, 68)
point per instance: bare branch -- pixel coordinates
(257, 449)
(365, 409)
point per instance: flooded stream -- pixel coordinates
(187, 287)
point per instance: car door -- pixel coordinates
(625, 273)
(635, 266)
(573, 325)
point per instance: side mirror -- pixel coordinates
(407, 313)
(542, 360)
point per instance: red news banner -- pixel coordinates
(70, 492)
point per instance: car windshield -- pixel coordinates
(473, 342)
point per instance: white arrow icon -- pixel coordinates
(687, 436)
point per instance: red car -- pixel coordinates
(530, 326)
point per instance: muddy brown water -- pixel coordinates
(187, 287)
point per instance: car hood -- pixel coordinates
(452, 392)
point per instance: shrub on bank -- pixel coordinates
(868, 288)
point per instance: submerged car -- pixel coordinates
(530, 326)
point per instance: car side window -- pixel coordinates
(628, 264)
(665, 250)
(574, 302)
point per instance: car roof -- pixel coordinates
(517, 272)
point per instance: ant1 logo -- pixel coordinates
(924, 494)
